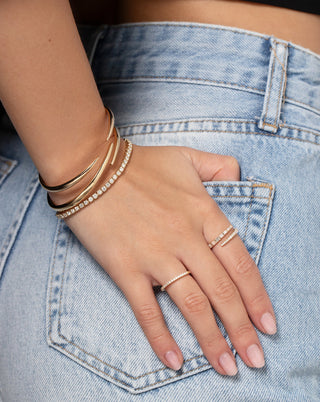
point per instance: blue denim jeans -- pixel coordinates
(67, 332)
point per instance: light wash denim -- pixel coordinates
(67, 332)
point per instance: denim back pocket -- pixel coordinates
(90, 321)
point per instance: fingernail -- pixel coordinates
(173, 360)
(255, 356)
(269, 323)
(228, 364)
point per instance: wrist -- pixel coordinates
(69, 158)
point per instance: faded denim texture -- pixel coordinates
(66, 331)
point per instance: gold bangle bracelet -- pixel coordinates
(79, 198)
(111, 122)
(67, 184)
(104, 188)
(117, 147)
(70, 183)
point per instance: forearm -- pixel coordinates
(47, 87)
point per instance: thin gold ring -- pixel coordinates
(222, 235)
(163, 287)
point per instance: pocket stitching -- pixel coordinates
(17, 220)
(263, 231)
(314, 141)
(249, 214)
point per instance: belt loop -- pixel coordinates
(90, 36)
(276, 85)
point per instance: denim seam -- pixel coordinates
(253, 122)
(240, 196)
(265, 222)
(124, 383)
(14, 228)
(299, 129)
(62, 284)
(51, 282)
(309, 107)
(265, 185)
(171, 78)
(249, 214)
(186, 121)
(221, 83)
(226, 131)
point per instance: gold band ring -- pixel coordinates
(163, 287)
(222, 235)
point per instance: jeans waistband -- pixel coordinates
(209, 55)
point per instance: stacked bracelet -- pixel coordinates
(80, 201)
(64, 207)
(68, 184)
(103, 189)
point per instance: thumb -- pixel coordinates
(213, 166)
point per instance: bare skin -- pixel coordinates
(57, 111)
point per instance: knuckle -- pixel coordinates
(196, 303)
(257, 301)
(148, 315)
(225, 290)
(245, 265)
(157, 337)
(243, 330)
(214, 341)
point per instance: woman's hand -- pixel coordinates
(154, 224)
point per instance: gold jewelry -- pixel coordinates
(222, 235)
(117, 147)
(79, 198)
(104, 188)
(230, 237)
(111, 122)
(70, 183)
(163, 287)
(67, 184)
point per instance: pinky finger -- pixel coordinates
(148, 313)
